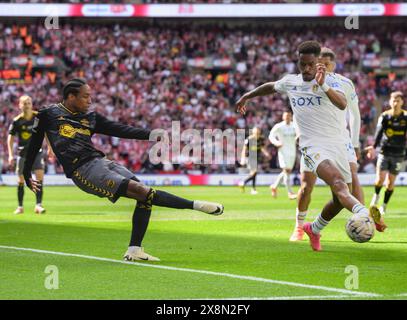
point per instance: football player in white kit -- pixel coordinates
(308, 178)
(283, 136)
(318, 101)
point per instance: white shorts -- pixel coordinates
(351, 153)
(286, 160)
(313, 156)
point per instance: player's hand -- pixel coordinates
(320, 75)
(241, 105)
(35, 185)
(370, 152)
(278, 144)
(11, 162)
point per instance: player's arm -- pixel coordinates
(244, 151)
(273, 137)
(337, 97)
(12, 131)
(263, 90)
(265, 152)
(33, 147)
(10, 143)
(377, 139)
(116, 129)
(354, 121)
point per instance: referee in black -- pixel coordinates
(69, 127)
(390, 137)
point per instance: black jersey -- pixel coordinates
(70, 134)
(22, 128)
(391, 134)
(254, 145)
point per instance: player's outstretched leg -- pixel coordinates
(146, 198)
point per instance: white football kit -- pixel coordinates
(286, 134)
(320, 124)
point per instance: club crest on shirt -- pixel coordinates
(315, 88)
(110, 183)
(26, 135)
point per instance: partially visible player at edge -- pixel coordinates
(22, 126)
(283, 136)
(251, 154)
(308, 178)
(318, 102)
(69, 127)
(390, 137)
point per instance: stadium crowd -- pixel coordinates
(148, 77)
(199, 1)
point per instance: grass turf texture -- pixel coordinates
(250, 239)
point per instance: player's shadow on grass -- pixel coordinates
(225, 252)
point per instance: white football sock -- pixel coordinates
(300, 218)
(360, 208)
(319, 224)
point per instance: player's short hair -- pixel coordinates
(397, 94)
(326, 52)
(24, 98)
(72, 87)
(309, 47)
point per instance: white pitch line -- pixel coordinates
(287, 298)
(228, 275)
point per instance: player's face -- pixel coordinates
(82, 101)
(308, 66)
(329, 64)
(396, 102)
(256, 132)
(287, 117)
(26, 105)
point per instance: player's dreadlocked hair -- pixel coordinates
(72, 87)
(310, 47)
(326, 52)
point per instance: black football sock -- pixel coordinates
(387, 195)
(20, 194)
(254, 181)
(249, 178)
(39, 194)
(165, 199)
(377, 189)
(141, 218)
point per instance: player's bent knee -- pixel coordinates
(137, 190)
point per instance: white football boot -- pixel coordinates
(208, 207)
(137, 254)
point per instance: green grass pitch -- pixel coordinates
(244, 253)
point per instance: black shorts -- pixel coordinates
(390, 163)
(103, 178)
(38, 164)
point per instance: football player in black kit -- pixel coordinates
(21, 127)
(391, 139)
(69, 127)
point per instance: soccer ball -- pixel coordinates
(360, 228)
